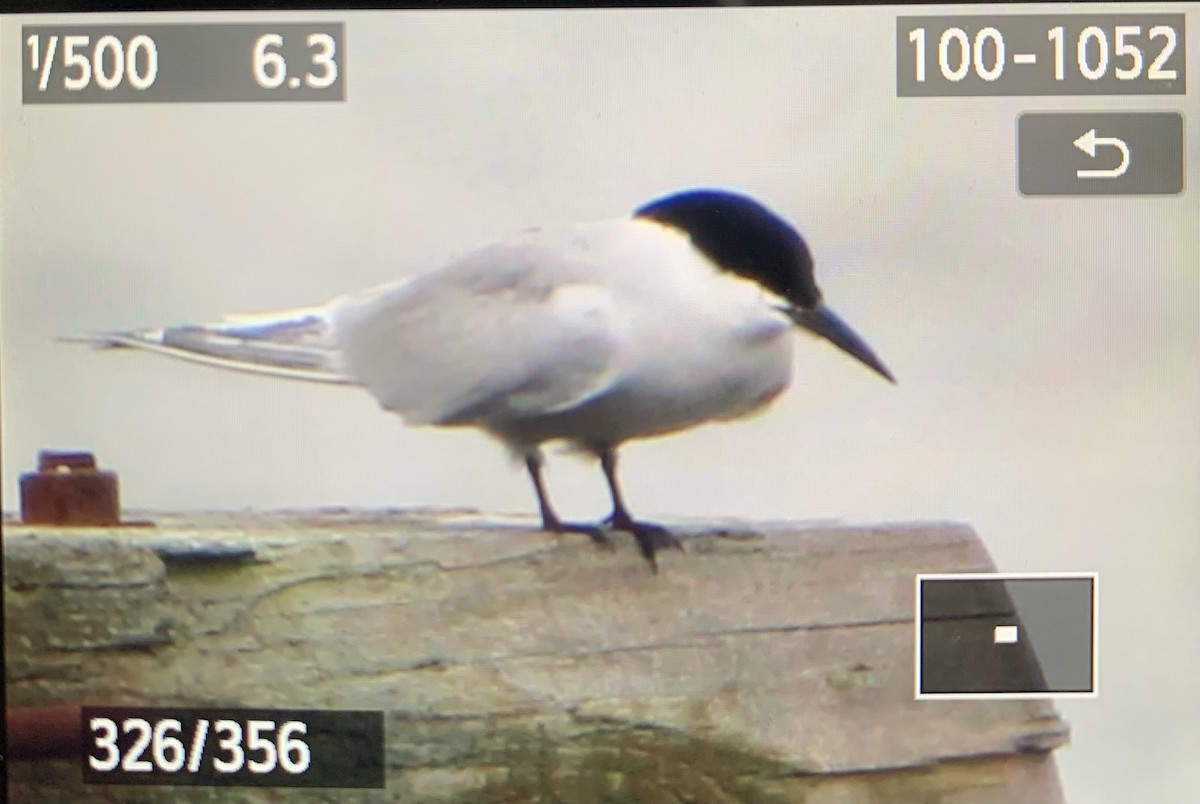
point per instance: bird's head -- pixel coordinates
(738, 234)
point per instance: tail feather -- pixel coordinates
(293, 344)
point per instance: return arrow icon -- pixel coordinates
(1089, 142)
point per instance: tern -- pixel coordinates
(593, 334)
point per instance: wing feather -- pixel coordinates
(515, 328)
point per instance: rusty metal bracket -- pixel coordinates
(69, 489)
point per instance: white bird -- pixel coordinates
(594, 334)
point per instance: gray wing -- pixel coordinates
(515, 328)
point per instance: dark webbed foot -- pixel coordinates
(596, 533)
(650, 537)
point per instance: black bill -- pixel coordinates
(822, 321)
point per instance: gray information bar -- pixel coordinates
(1100, 153)
(183, 63)
(1041, 54)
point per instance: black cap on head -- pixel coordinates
(741, 235)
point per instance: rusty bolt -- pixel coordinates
(69, 489)
(65, 461)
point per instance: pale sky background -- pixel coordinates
(1048, 350)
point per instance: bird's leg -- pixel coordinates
(650, 537)
(550, 521)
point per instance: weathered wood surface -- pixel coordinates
(765, 664)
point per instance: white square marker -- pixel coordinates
(1004, 635)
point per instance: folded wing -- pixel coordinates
(515, 328)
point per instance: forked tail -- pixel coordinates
(294, 344)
